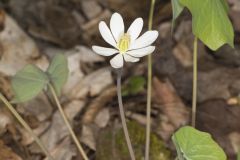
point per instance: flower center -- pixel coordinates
(124, 43)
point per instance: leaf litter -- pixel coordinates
(31, 32)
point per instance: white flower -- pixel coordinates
(127, 45)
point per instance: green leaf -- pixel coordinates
(192, 144)
(28, 83)
(134, 85)
(177, 9)
(225, 5)
(58, 72)
(210, 22)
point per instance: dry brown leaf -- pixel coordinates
(64, 151)
(7, 154)
(5, 86)
(102, 118)
(234, 138)
(73, 108)
(2, 20)
(27, 138)
(98, 104)
(58, 129)
(77, 56)
(183, 54)
(87, 137)
(93, 6)
(164, 30)
(92, 84)
(90, 27)
(39, 107)
(235, 4)
(18, 49)
(56, 132)
(5, 120)
(141, 119)
(210, 86)
(176, 113)
(234, 14)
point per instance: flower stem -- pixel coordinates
(149, 88)
(194, 94)
(26, 126)
(74, 137)
(123, 119)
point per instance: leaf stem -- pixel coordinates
(74, 137)
(195, 77)
(149, 88)
(26, 126)
(123, 119)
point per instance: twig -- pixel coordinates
(26, 126)
(194, 94)
(74, 137)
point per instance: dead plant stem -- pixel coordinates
(26, 126)
(73, 135)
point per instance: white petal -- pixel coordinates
(106, 34)
(141, 52)
(129, 58)
(135, 29)
(104, 51)
(117, 25)
(145, 40)
(117, 61)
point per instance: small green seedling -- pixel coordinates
(31, 80)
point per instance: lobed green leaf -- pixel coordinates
(210, 22)
(28, 83)
(177, 9)
(58, 72)
(192, 144)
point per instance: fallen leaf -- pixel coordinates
(87, 137)
(234, 138)
(102, 118)
(39, 107)
(58, 129)
(5, 120)
(183, 54)
(64, 151)
(97, 104)
(93, 6)
(27, 138)
(7, 154)
(18, 49)
(92, 84)
(174, 110)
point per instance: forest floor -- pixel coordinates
(34, 31)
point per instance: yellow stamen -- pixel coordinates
(124, 43)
